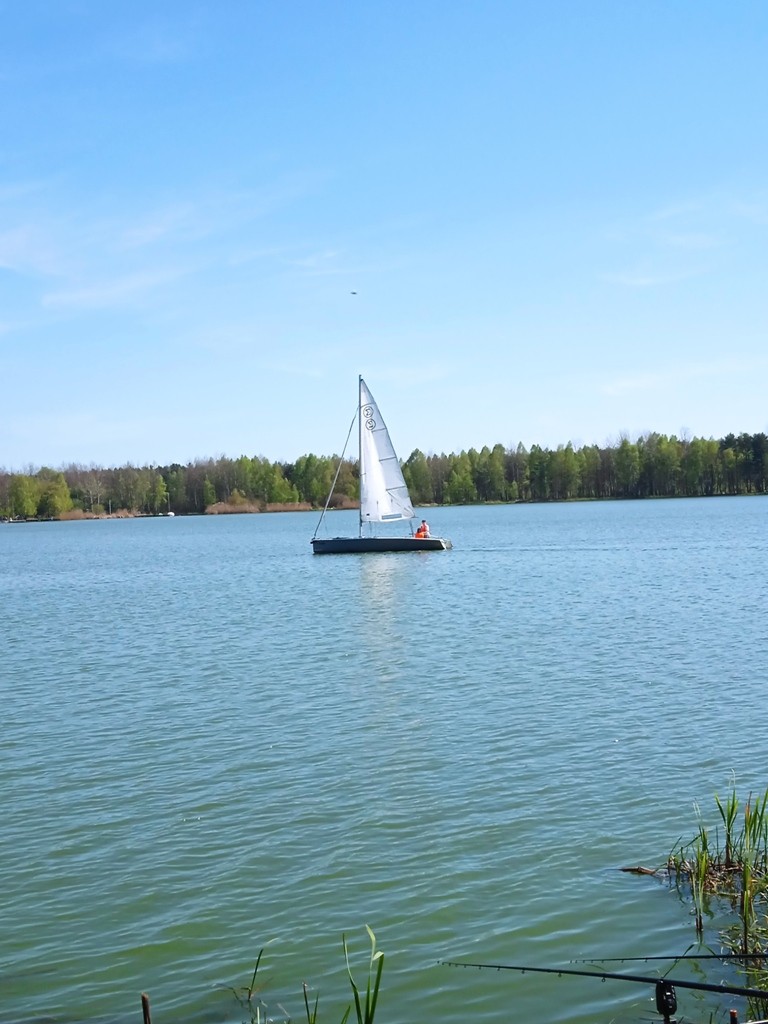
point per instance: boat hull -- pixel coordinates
(369, 545)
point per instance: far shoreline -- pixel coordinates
(221, 508)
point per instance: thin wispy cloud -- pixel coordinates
(649, 279)
(86, 261)
(721, 207)
(156, 46)
(690, 240)
(157, 227)
(335, 263)
(720, 368)
(298, 369)
(402, 374)
(13, 191)
(30, 249)
(317, 263)
(755, 211)
(636, 382)
(201, 215)
(677, 210)
(242, 256)
(702, 222)
(668, 245)
(156, 41)
(121, 291)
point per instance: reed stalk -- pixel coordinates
(735, 872)
(699, 872)
(245, 996)
(365, 1005)
(311, 1012)
(728, 812)
(365, 1014)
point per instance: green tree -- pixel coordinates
(209, 493)
(440, 467)
(481, 471)
(280, 491)
(607, 472)
(758, 461)
(348, 481)
(23, 496)
(668, 462)
(649, 481)
(313, 477)
(590, 472)
(497, 474)
(126, 490)
(460, 487)
(5, 501)
(692, 468)
(418, 478)
(257, 482)
(564, 472)
(539, 473)
(176, 484)
(193, 478)
(243, 475)
(158, 494)
(711, 469)
(55, 498)
(627, 463)
(519, 471)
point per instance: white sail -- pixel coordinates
(383, 494)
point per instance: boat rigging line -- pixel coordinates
(338, 470)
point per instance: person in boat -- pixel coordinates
(422, 531)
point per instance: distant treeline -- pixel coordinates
(652, 466)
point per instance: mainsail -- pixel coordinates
(383, 494)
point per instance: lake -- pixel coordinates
(214, 742)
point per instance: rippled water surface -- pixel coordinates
(213, 741)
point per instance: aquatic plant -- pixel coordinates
(365, 1009)
(247, 997)
(366, 1015)
(731, 868)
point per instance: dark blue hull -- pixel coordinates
(367, 545)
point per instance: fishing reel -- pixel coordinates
(666, 1000)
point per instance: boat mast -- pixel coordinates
(360, 449)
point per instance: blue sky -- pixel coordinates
(554, 216)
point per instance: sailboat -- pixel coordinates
(384, 495)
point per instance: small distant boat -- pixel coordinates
(384, 495)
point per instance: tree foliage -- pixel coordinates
(653, 466)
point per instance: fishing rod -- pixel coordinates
(701, 986)
(666, 1000)
(683, 956)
